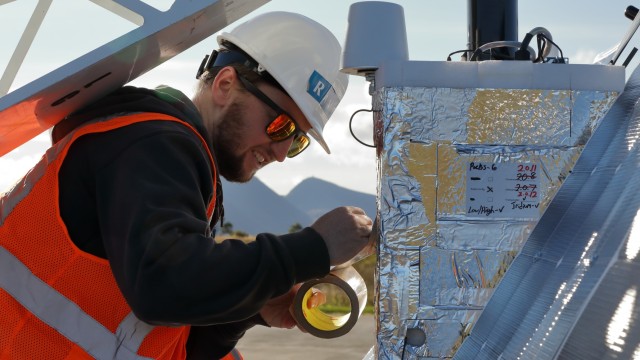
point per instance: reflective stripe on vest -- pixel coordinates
(58, 312)
(233, 355)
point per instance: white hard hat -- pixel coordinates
(302, 56)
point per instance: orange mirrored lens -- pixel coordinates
(281, 128)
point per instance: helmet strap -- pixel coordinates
(234, 55)
(207, 63)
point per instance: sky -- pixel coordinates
(434, 29)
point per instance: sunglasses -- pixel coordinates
(282, 127)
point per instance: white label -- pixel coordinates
(503, 190)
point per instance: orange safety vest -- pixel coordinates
(56, 301)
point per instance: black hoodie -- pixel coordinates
(137, 196)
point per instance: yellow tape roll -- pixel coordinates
(324, 325)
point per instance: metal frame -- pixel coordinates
(35, 107)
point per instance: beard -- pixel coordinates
(228, 138)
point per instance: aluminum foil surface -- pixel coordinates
(464, 176)
(573, 291)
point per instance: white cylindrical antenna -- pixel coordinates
(376, 33)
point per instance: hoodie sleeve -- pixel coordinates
(215, 341)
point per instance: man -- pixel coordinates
(107, 251)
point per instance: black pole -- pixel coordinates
(492, 20)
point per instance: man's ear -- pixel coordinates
(222, 87)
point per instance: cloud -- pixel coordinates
(18, 162)
(14, 168)
(583, 56)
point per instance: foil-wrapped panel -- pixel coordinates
(464, 175)
(572, 292)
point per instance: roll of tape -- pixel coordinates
(321, 324)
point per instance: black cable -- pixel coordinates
(457, 52)
(492, 55)
(523, 53)
(541, 44)
(496, 44)
(543, 39)
(630, 56)
(351, 128)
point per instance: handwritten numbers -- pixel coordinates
(503, 190)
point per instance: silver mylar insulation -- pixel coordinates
(573, 291)
(467, 165)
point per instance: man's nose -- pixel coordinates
(281, 148)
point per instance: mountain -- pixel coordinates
(253, 207)
(316, 197)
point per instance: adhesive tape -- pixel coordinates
(327, 326)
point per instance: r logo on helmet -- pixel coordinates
(318, 86)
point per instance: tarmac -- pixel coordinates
(261, 342)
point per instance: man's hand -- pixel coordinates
(345, 231)
(278, 311)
